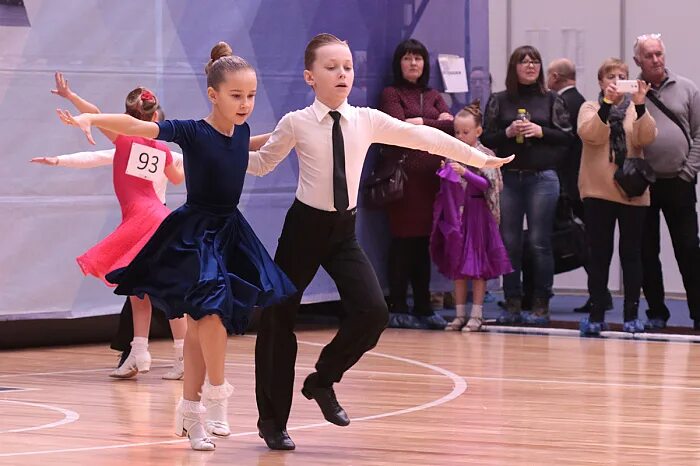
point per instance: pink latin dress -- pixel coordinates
(142, 214)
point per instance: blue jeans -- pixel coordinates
(533, 194)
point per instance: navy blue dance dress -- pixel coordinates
(205, 258)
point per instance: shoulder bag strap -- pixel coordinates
(671, 116)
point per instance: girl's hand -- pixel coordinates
(415, 121)
(53, 161)
(62, 89)
(445, 116)
(458, 168)
(82, 121)
(639, 97)
(531, 130)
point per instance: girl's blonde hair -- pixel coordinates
(472, 110)
(223, 61)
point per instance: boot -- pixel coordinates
(215, 401)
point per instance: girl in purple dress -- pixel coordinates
(465, 243)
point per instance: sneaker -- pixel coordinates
(591, 329)
(536, 319)
(402, 320)
(432, 322)
(509, 318)
(633, 326)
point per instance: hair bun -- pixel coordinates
(222, 49)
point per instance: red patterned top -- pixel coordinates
(412, 216)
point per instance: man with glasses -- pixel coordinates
(674, 102)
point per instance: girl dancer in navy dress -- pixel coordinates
(465, 243)
(205, 260)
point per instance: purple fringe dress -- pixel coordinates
(465, 241)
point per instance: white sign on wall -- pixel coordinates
(454, 73)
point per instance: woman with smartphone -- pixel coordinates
(613, 127)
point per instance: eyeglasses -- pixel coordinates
(530, 62)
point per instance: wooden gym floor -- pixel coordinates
(421, 397)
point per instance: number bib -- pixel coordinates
(145, 162)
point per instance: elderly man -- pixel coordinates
(674, 102)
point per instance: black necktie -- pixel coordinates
(340, 184)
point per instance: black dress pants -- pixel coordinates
(677, 200)
(601, 216)
(310, 239)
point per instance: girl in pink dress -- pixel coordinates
(142, 214)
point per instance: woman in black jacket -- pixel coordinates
(528, 120)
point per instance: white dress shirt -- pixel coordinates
(309, 131)
(101, 158)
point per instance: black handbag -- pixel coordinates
(634, 175)
(568, 238)
(385, 184)
(568, 241)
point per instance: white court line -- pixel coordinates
(76, 371)
(458, 387)
(68, 416)
(595, 384)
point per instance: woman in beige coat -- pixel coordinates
(617, 125)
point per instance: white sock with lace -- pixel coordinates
(477, 311)
(179, 346)
(461, 310)
(139, 345)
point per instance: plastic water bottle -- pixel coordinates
(522, 116)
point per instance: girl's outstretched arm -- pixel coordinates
(119, 123)
(94, 159)
(83, 106)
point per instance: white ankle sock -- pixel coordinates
(179, 346)
(461, 310)
(477, 310)
(139, 345)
